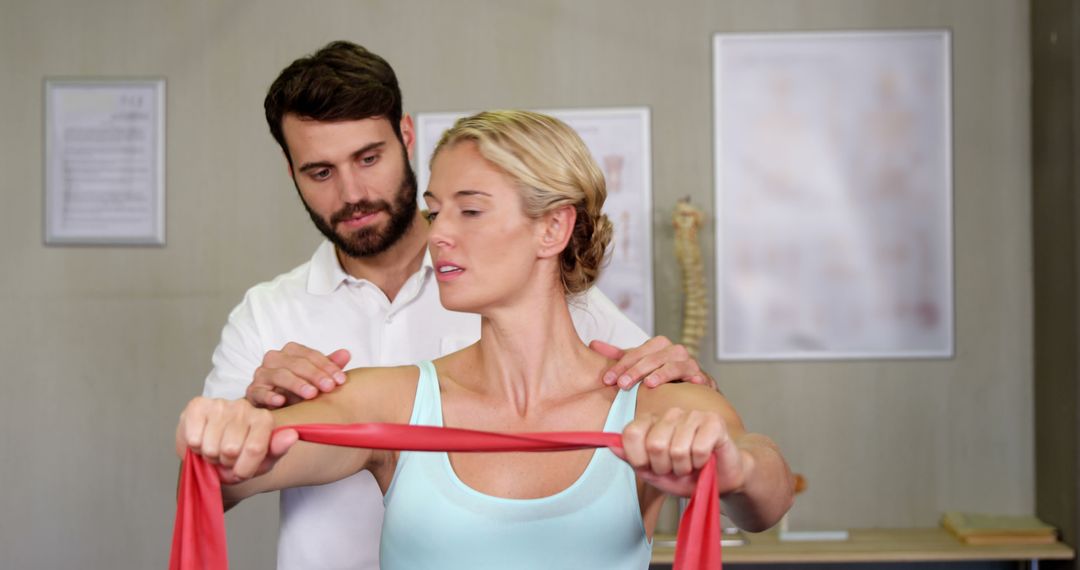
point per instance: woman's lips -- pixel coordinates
(447, 271)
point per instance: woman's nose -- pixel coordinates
(439, 234)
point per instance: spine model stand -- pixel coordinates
(687, 220)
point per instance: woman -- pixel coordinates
(517, 231)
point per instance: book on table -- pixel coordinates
(977, 528)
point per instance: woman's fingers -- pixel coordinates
(668, 452)
(633, 441)
(231, 434)
(255, 445)
(658, 441)
(189, 430)
(683, 443)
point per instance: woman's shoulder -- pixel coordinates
(684, 395)
(387, 376)
(387, 391)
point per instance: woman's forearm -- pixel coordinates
(768, 490)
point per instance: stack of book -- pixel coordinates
(971, 528)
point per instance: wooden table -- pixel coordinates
(875, 545)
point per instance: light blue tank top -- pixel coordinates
(434, 520)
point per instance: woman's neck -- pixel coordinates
(530, 354)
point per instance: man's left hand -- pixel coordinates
(656, 362)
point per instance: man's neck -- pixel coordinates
(390, 269)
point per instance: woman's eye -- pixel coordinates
(470, 213)
(431, 216)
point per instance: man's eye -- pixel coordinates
(370, 159)
(321, 174)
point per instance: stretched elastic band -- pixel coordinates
(199, 531)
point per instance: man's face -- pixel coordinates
(354, 179)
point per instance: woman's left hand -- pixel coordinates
(668, 452)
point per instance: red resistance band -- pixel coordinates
(199, 531)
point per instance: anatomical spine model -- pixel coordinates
(687, 220)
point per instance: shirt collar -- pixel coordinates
(327, 275)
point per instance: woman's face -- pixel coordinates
(483, 246)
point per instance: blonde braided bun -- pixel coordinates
(552, 168)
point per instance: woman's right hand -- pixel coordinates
(233, 435)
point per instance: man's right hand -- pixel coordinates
(295, 373)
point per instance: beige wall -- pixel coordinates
(100, 347)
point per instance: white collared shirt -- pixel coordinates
(320, 306)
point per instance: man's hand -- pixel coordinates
(295, 373)
(656, 362)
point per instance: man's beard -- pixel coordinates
(369, 241)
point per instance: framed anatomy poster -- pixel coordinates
(833, 195)
(619, 140)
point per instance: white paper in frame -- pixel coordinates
(833, 157)
(104, 161)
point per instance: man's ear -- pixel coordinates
(557, 226)
(408, 134)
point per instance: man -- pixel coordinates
(369, 288)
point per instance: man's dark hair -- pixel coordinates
(340, 82)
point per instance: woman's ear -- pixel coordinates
(556, 228)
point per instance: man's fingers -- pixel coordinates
(325, 369)
(670, 371)
(287, 380)
(606, 350)
(264, 396)
(610, 352)
(644, 366)
(621, 373)
(709, 381)
(340, 358)
(311, 371)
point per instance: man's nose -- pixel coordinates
(352, 187)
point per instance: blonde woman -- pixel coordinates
(516, 232)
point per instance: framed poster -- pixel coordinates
(619, 140)
(105, 161)
(833, 195)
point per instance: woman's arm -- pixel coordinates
(679, 426)
(236, 436)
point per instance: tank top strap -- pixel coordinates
(622, 409)
(427, 405)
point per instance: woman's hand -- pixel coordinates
(233, 435)
(669, 452)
